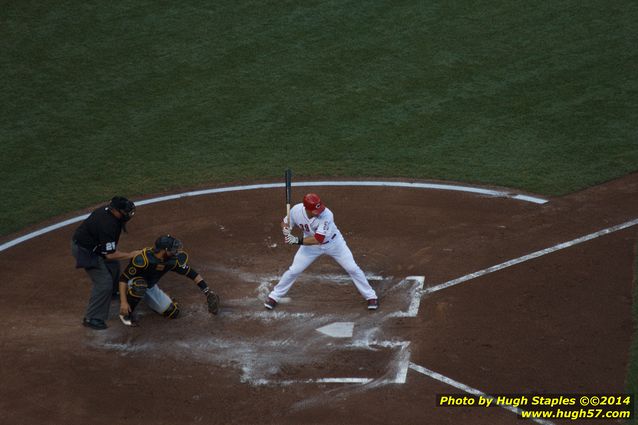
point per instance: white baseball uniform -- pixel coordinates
(333, 245)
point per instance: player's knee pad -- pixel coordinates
(137, 288)
(172, 312)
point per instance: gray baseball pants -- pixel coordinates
(105, 278)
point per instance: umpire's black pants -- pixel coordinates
(105, 277)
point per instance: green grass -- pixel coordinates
(136, 97)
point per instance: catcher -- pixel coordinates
(143, 272)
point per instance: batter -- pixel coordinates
(320, 236)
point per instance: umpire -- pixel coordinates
(95, 249)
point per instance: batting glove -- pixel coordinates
(285, 231)
(293, 240)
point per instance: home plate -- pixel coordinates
(338, 329)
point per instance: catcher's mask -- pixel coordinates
(312, 202)
(124, 206)
(170, 244)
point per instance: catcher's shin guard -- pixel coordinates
(136, 291)
(172, 312)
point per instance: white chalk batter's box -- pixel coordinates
(303, 341)
(333, 346)
(378, 361)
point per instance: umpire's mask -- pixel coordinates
(124, 206)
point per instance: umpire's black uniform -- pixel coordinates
(93, 241)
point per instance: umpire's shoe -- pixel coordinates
(96, 324)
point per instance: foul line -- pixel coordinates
(530, 256)
(469, 390)
(487, 192)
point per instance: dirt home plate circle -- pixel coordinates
(474, 285)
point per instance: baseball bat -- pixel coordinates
(288, 177)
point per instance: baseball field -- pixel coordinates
(515, 276)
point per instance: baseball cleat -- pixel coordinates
(270, 303)
(373, 304)
(129, 320)
(96, 324)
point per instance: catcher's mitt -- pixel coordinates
(213, 302)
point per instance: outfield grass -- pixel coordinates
(135, 97)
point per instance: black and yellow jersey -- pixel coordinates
(152, 268)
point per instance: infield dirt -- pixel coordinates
(558, 323)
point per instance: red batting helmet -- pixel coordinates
(312, 202)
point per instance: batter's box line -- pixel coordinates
(400, 377)
(267, 282)
(340, 277)
(416, 294)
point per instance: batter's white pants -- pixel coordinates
(307, 254)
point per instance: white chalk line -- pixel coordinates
(493, 269)
(469, 390)
(531, 256)
(396, 369)
(433, 186)
(449, 187)
(403, 360)
(266, 282)
(412, 310)
(286, 382)
(415, 295)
